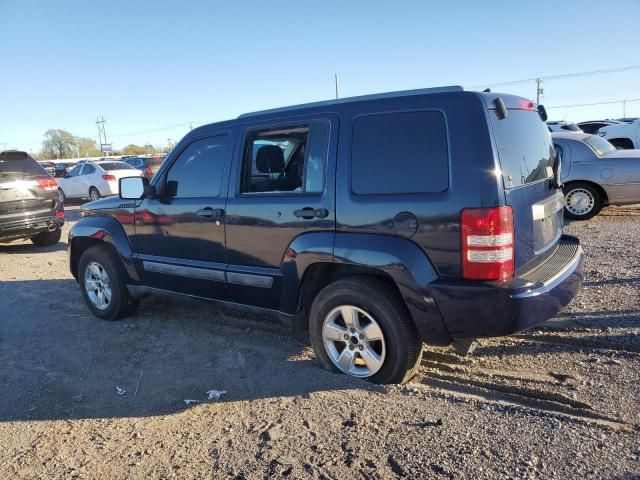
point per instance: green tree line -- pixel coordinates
(61, 144)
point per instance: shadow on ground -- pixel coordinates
(57, 361)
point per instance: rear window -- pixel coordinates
(599, 145)
(524, 147)
(17, 163)
(115, 166)
(399, 153)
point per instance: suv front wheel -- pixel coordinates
(359, 327)
(102, 281)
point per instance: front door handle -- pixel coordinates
(211, 213)
(309, 213)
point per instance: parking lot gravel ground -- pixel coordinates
(83, 398)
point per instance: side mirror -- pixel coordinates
(134, 188)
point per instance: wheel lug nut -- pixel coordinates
(361, 336)
(353, 330)
(346, 337)
(361, 347)
(351, 347)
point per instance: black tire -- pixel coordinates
(403, 343)
(597, 200)
(94, 194)
(46, 239)
(63, 197)
(121, 304)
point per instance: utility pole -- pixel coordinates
(336, 79)
(539, 90)
(102, 135)
(169, 142)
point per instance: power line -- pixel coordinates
(628, 100)
(556, 77)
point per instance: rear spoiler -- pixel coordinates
(503, 112)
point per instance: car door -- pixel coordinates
(179, 240)
(69, 184)
(89, 177)
(281, 188)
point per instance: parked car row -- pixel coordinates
(622, 133)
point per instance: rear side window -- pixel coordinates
(524, 147)
(399, 153)
(197, 172)
(88, 169)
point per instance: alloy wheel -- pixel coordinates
(97, 285)
(354, 341)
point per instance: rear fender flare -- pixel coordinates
(410, 269)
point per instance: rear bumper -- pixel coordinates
(502, 308)
(28, 227)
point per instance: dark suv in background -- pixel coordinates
(148, 165)
(29, 203)
(370, 225)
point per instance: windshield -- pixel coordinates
(115, 166)
(19, 164)
(599, 145)
(524, 147)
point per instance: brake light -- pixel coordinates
(47, 183)
(108, 177)
(59, 214)
(526, 105)
(487, 243)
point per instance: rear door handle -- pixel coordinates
(309, 213)
(211, 213)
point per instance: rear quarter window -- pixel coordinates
(399, 153)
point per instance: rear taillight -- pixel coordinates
(487, 243)
(48, 183)
(108, 177)
(59, 214)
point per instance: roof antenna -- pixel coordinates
(336, 78)
(486, 90)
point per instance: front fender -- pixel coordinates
(409, 268)
(94, 230)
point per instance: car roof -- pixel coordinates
(570, 135)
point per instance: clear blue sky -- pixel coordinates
(149, 65)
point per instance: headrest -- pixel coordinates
(270, 159)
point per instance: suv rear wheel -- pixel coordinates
(102, 281)
(359, 328)
(45, 239)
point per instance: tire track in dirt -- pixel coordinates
(450, 375)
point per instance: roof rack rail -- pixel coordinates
(375, 96)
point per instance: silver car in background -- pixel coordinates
(595, 174)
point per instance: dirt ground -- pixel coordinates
(82, 398)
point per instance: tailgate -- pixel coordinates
(21, 196)
(526, 157)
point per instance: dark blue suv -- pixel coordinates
(370, 225)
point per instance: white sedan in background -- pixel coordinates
(95, 179)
